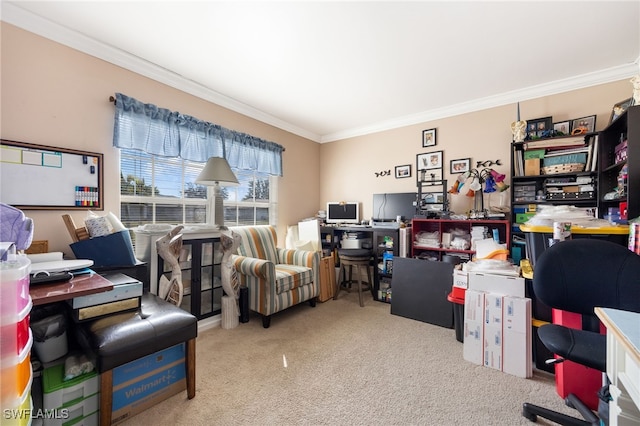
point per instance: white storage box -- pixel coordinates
(473, 339)
(516, 337)
(493, 283)
(460, 279)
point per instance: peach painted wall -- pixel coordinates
(349, 165)
(54, 95)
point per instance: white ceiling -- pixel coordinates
(327, 70)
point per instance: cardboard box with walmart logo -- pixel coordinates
(145, 382)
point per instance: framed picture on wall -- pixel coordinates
(429, 137)
(460, 166)
(562, 128)
(403, 171)
(619, 108)
(429, 160)
(537, 127)
(583, 125)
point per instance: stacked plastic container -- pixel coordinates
(16, 340)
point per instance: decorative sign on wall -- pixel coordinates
(39, 177)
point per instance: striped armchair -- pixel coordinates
(277, 278)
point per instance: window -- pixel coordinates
(156, 189)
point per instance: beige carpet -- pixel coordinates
(346, 365)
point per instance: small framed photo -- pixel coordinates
(460, 166)
(562, 128)
(619, 108)
(429, 160)
(538, 127)
(583, 125)
(428, 138)
(403, 171)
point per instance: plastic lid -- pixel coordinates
(53, 378)
(618, 230)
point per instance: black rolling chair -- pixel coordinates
(577, 276)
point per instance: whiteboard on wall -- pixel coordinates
(45, 177)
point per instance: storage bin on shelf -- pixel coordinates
(78, 397)
(50, 337)
(537, 237)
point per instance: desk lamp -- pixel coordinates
(216, 173)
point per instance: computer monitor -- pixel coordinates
(390, 206)
(343, 212)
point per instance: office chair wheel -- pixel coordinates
(568, 403)
(528, 414)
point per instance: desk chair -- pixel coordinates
(576, 276)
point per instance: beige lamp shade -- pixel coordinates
(217, 171)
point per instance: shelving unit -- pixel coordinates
(531, 188)
(625, 128)
(385, 241)
(436, 248)
(426, 206)
(331, 239)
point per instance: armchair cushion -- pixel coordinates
(258, 242)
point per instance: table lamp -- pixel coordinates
(216, 173)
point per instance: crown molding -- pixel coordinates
(60, 34)
(577, 82)
(52, 31)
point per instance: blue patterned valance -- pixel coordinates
(159, 131)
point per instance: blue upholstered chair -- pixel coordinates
(276, 278)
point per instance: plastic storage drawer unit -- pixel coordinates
(58, 392)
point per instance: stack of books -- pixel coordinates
(125, 296)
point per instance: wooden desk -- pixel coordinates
(80, 285)
(623, 364)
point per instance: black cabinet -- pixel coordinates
(200, 262)
(619, 166)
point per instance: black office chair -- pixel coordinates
(577, 276)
